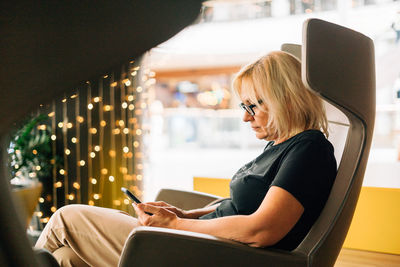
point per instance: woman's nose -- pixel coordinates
(247, 117)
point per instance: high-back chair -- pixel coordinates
(338, 64)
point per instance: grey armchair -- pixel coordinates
(338, 64)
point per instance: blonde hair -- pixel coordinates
(275, 79)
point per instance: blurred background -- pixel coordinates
(196, 127)
(170, 117)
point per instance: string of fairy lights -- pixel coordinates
(98, 132)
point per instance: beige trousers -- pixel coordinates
(82, 235)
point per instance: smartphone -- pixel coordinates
(130, 195)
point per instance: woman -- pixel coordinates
(275, 198)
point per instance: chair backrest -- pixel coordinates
(338, 64)
(338, 123)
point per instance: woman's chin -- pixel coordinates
(261, 136)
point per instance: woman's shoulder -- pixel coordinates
(307, 136)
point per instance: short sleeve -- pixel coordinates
(307, 171)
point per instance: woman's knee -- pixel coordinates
(69, 213)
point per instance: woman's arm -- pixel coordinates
(188, 214)
(275, 217)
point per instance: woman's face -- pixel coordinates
(258, 121)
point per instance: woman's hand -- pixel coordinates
(179, 212)
(161, 216)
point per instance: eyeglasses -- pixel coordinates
(249, 108)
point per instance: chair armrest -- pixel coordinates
(152, 246)
(186, 200)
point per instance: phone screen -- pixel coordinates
(130, 195)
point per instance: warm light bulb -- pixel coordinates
(104, 171)
(60, 125)
(32, 175)
(125, 149)
(133, 73)
(91, 202)
(136, 144)
(80, 119)
(139, 177)
(73, 96)
(44, 220)
(67, 151)
(124, 105)
(111, 178)
(51, 114)
(42, 127)
(96, 196)
(112, 153)
(116, 131)
(117, 202)
(53, 209)
(139, 89)
(96, 99)
(92, 155)
(53, 137)
(138, 132)
(93, 130)
(131, 107)
(71, 196)
(69, 125)
(103, 123)
(64, 100)
(121, 123)
(76, 185)
(114, 84)
(97, 148)
(90, 106)
(131, 98)
(38, 168)
(82, 163)
(62, 171)
(58, 184)
(74, 140)
(93, 181)
(123, 170)
(107, 107)
(39, 213)
(128, 155)
(128, 83)
(41, 200)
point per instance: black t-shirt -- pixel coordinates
(303, 165)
